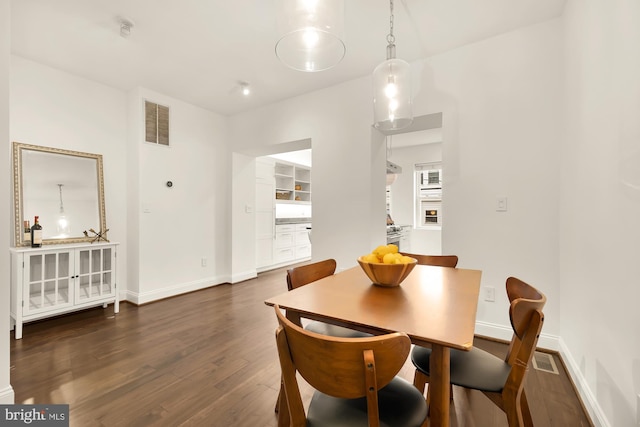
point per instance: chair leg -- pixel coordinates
(419, 381)
(526, 413)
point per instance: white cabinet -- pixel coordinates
(292, 243)
(284, 243)
(302, 242)
(405, 238)
(48, 281)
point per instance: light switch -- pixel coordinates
(501, 204)
(248, 208)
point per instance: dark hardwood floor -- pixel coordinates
(207, 358)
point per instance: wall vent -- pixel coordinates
(544, 362)
(156, 123)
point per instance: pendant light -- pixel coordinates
(392, 88)
(63, 224)
(310, 34)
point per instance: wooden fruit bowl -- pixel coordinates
(389, 275)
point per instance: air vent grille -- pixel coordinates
(156, 123)
(544, 362)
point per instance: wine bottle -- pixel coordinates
(36, 234)
(27, 231)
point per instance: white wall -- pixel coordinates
(6, 213)
(600, 167)
(55, 109)
(179, 226)
(507, 98)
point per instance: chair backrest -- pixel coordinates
(437, 260)
(299, 276)
(525, 313)
(341, 367)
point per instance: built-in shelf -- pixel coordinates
(293, 183)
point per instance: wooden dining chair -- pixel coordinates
(437, 260)
(305, 274)
(308, 273)
(501, 380)
(354, 379)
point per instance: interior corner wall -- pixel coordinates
(6, 213)
(600, 207)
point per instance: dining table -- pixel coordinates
(435, 306)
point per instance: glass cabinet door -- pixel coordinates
(95, 274)
(49, 281)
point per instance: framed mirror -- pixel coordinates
(64, 188)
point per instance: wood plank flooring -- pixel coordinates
(207, 358)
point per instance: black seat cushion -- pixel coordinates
(400, 405)
(475, 369)
(334, 331)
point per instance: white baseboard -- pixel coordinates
(7, 396)
(245, 275)
(588, 399)
(171, 291)
(501, 332)
(555, 343)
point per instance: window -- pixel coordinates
(156, 123)
(428, 203)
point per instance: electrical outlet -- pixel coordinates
(203, 261)
(489, 294)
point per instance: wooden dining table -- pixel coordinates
(435, 306)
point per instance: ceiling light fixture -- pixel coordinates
(125, 27)
(310, 34)
(392, 88)
(245, 88)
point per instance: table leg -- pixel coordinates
(439, 386)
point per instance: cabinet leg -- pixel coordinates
(18, 330)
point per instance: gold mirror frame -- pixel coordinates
(51, 173)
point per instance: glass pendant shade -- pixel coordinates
(392, 95)
(310, 34)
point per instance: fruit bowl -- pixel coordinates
(389, 275)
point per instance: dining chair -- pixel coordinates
(308, 273)
(305, 274)
(437, 260)
(501, 380)
(355, 379)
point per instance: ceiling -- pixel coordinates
(198, 50)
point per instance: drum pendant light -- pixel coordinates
(310, 34)
(392, 108)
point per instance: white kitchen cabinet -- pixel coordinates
(292, 243)
(302, 242)
(405, 238)
(52, 280)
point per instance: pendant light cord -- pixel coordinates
(61, 205)
(390, 37)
